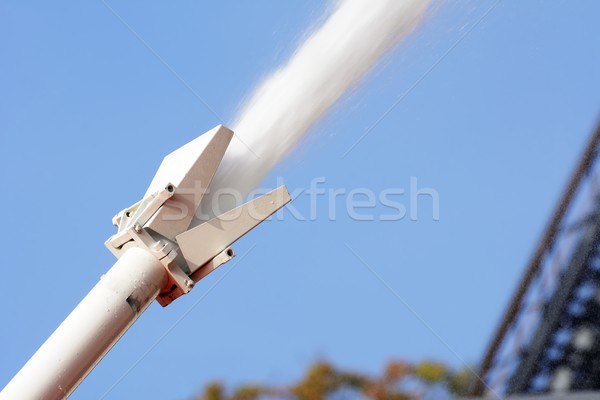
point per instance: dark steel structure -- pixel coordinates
(549, 337)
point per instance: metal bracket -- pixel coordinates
(136, 217)
(133, 232)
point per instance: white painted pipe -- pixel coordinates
(91, 330)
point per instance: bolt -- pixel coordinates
(189, 283)
(137, 228)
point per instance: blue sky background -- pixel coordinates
(87, 112)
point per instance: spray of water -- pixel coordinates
(295, 97)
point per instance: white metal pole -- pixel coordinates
(91, 330)
(164, 266)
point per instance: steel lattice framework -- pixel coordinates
(549, 337)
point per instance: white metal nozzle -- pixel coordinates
(160, 221)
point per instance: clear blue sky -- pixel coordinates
(87, 112)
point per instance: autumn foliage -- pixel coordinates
(323, 381)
